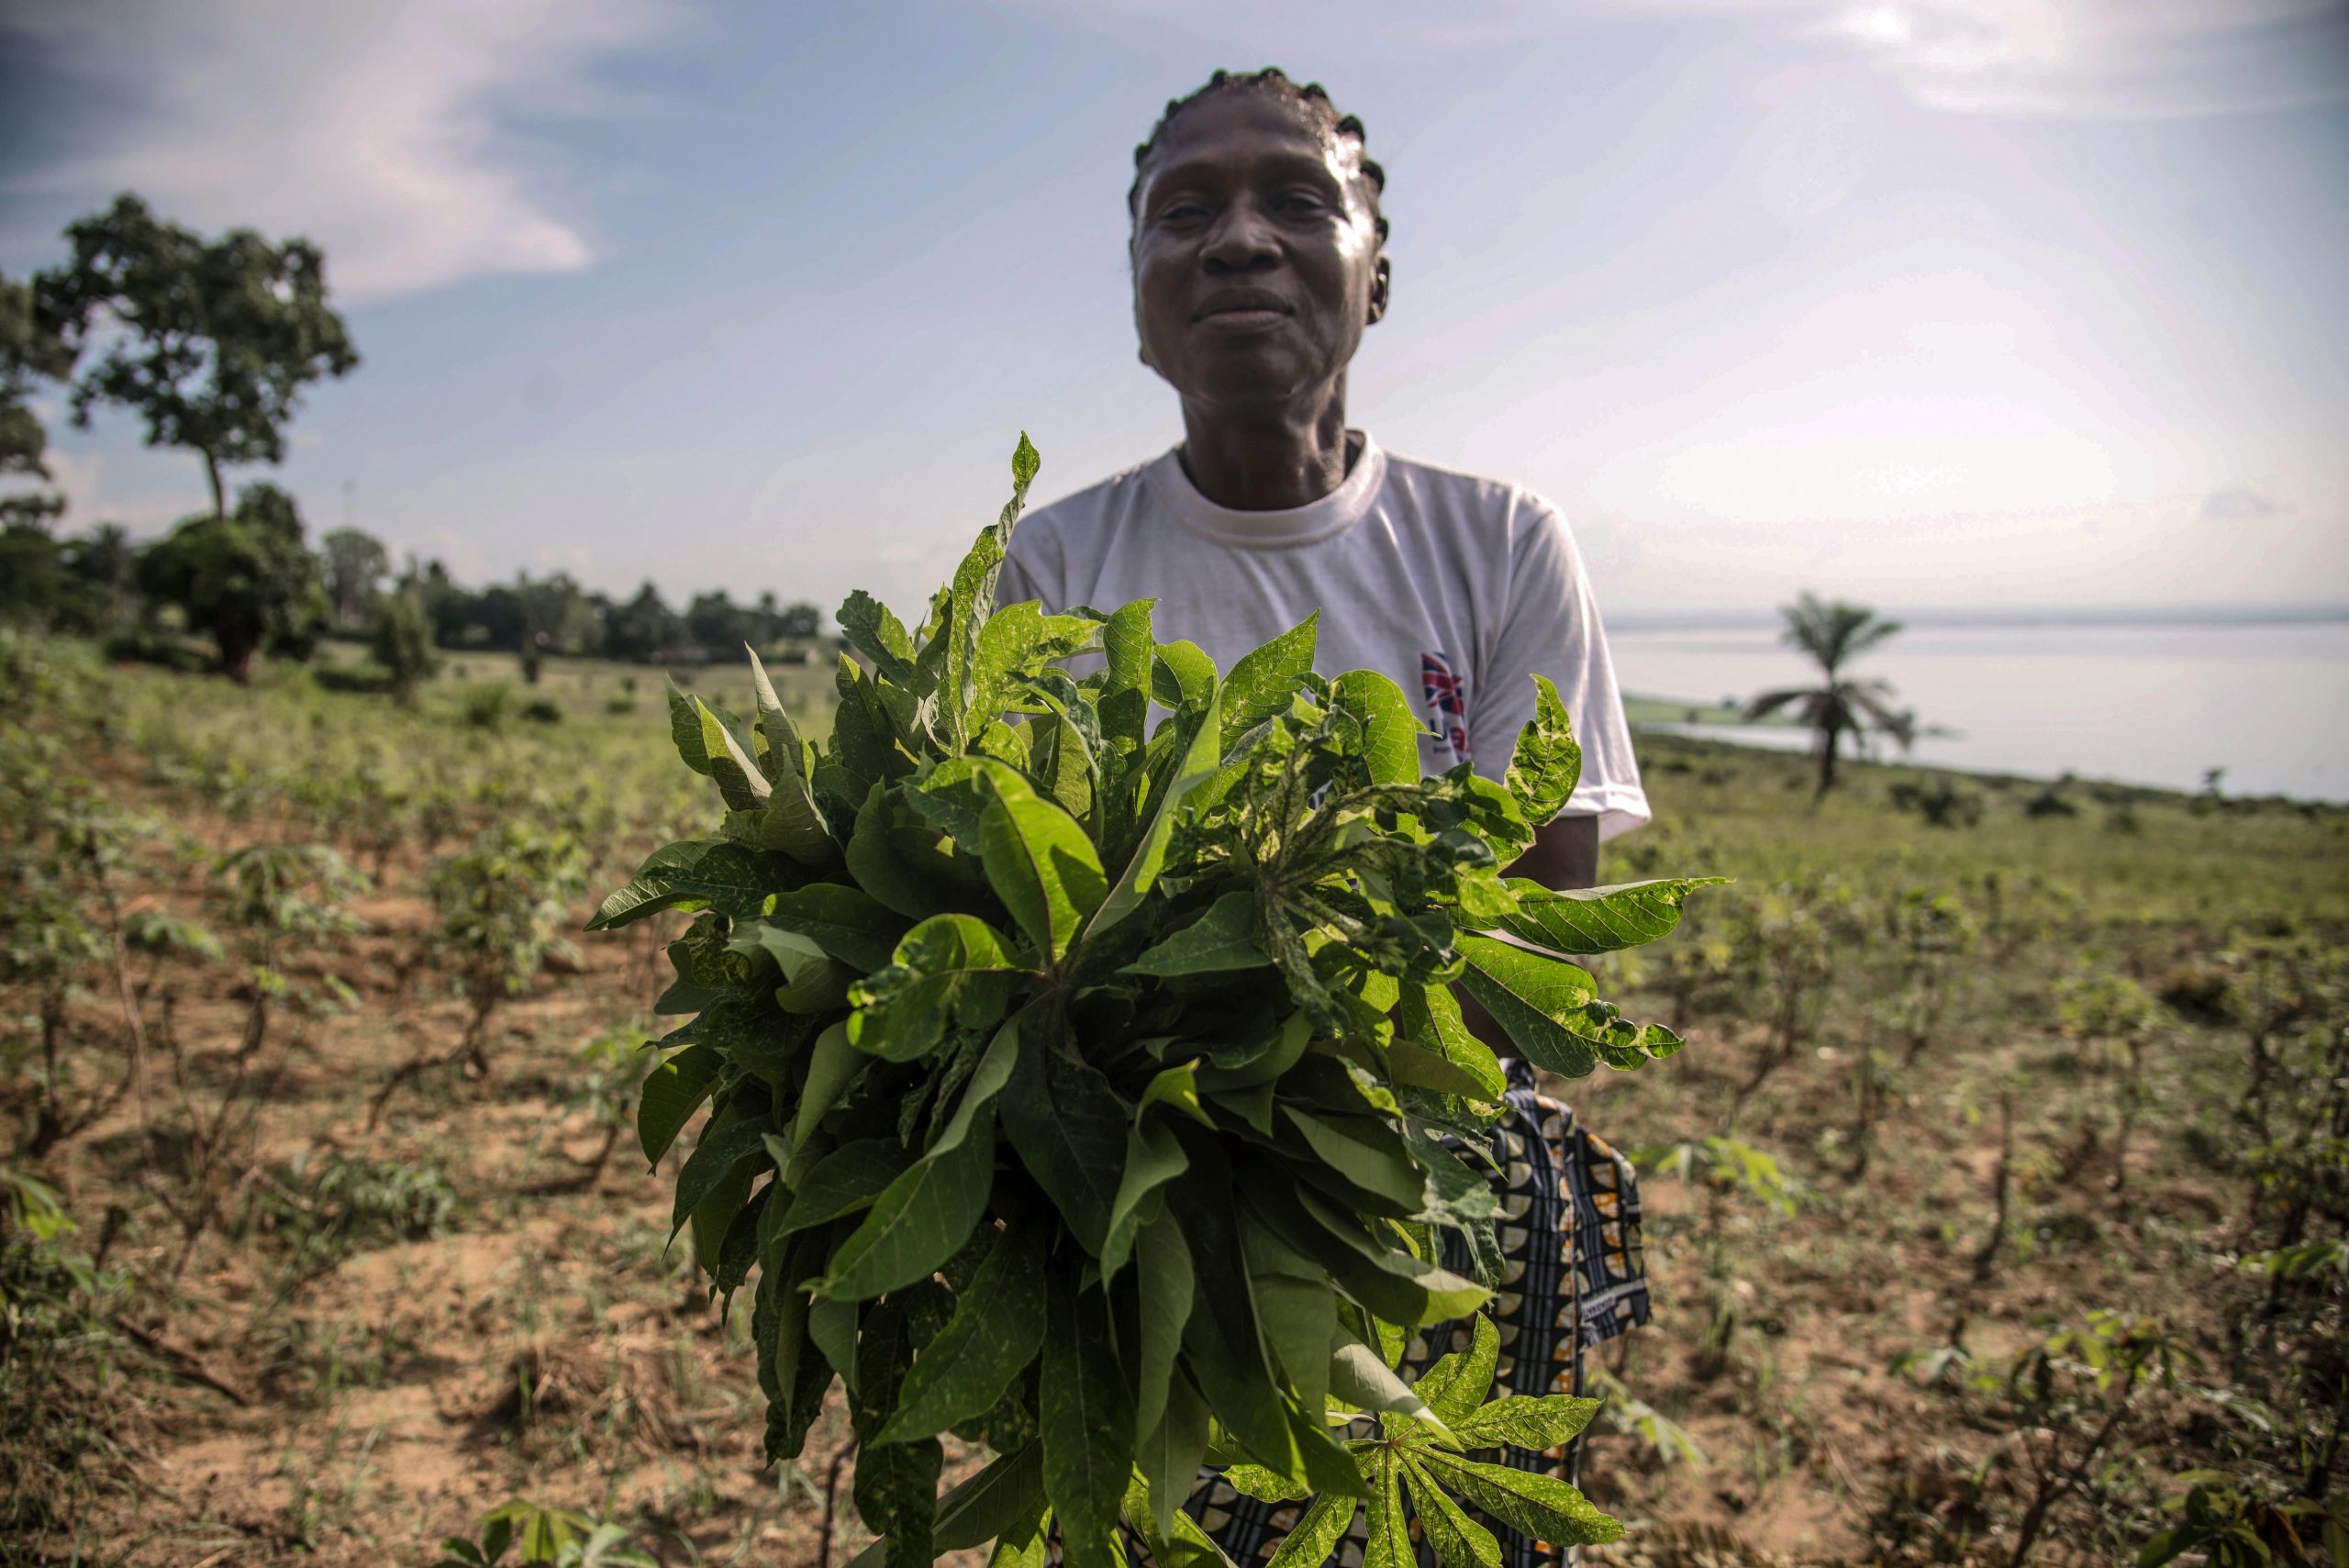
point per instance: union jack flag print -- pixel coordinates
(1446, 692)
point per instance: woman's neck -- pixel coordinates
(1271, 463)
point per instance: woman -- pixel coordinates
(1258, 262)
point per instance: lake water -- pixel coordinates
(2152, 705)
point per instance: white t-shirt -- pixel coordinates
(1458, 589)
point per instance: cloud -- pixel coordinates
(2240, 502)
(2120, 58)
(386, 132)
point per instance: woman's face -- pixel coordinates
(1255, 253)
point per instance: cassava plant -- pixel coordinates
(1093, 1086)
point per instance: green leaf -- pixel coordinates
(1588, 920)
(1316, 1533)
(1390, 1536)
(1456, 1384)
(1266, 680)
(715, 873)
(1154, 1158)
(897, 1483)
(673, 1090)
(684, 728)
(1380, 1275)
(952, 970)
(1547, 763)
(784, 754)
(850, 1178)
(1125, 689)
(1527, 1421)
(792, 823)
(919, 1221)
(1430, 1017)
(846, 922)
(1087, 1425)
(1366, 1154)
(996, 1330)
(1069, 1127)
(1193, 766)
(1299, 1319)
(1177, 1087)
(1038, 860)
(732, 1143)
(1223, 938)
(813, 981)
(832, 1064)
(1459, 1541)
(740, 783)
(1533, 996)
(1164, 1282)
(879, 635)
(1181, 674)
(1170, 1451)
(1541, 1506)
(897, 867)
(999, 1501)
(1391, 730)
(996, 1069)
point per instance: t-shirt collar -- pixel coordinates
(1284, 529)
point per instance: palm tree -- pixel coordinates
(1833, 634)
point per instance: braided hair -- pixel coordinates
(1311, 99)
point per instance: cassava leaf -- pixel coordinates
(1265, 682)
(1390, 729)
(1222, 938)
(708, 873)
(1547, 763)
(1087, 1425)
(996, 1330)
(1038, 859)
(1527, 1421)
(673, 1091)
(1589, 920)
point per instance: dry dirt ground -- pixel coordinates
(267, 1404)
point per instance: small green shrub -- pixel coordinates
(485, 707)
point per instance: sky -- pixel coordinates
(1928, 303)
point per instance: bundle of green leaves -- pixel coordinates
(1092, 1085)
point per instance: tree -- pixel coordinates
(556, 619)
(356, 565)
(643, 629)
(29, 350)
(1833, 634)
(245, 578)
(400, 637)
(211, 341)
(715, 622)
(800, 620)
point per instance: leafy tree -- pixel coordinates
(400, 637)
(356, 565)
(644, 627)
(715, 622)
(801, 619)
(556, 618)
(29, 350)
(211, 341)
(246, 579)
(1833, 635)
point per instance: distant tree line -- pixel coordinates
(211, 343)
(250, 582)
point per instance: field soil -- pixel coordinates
(484, 1303)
